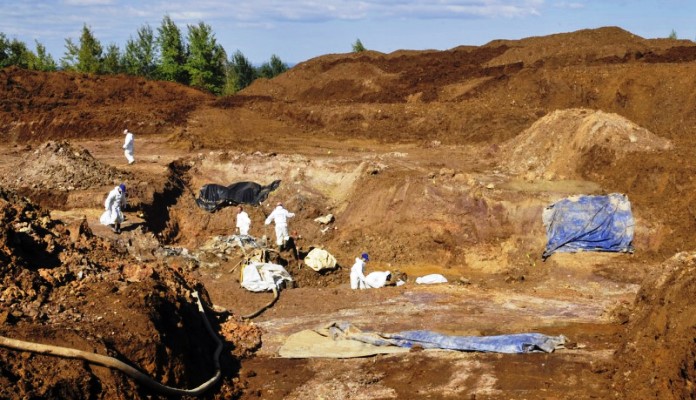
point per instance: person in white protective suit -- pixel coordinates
(243, 221)
(114, 203)
(280, 216)
(129, 146)
(357, 276)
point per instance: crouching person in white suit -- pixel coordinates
(377, 279)
(357, 276)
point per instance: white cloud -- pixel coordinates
(250, 11)
(574, 5)
(88, 3)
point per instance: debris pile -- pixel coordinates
(58, 165)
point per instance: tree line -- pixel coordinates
(195, 59)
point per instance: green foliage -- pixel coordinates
(18, 54)
(206, 62)
(140, 56)
(4, 51)
(89, 53)
(172, 53)
(15, 52)
(243, 72)
(272, 68)
(112, 60)
(70, 56)
(42, 61)
(672, 35)
(358, 46)
(197, 61)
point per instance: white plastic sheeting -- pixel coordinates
(263, 277)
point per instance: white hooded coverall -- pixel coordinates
(243, 222)
(112, 206)
(129, 146)
(357, 277)
(280, 216)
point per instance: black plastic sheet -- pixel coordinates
(213, 197)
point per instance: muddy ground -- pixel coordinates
(432, 162)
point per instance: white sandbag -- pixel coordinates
(432, 278)
(320, 259)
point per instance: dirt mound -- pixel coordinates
(63, 286)
(657, 358)
(61, 166)
(41, 106)
(555, 146)
(579, 47)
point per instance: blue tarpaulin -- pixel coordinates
(511, 344)
(589, 223)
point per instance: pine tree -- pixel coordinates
(272, 68)
(17, 53)
(43, 61)
(206, 62)
(172, 53)
(358, 46)
(69, 59)
(89, 53)
(140, 56)
(244, 73)
(112, 60)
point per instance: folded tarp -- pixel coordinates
(213, 196)
(589, 223)
(341, 333)
(309, 343)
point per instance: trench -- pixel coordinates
(158, 218)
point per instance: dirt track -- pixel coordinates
(433, 162)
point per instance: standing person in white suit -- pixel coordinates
(280, 216)
(129, 146)
(114, 203)
(243, 221)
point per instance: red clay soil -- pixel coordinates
(432, 161)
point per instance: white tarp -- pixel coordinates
(262, 277)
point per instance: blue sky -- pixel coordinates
(297, 30)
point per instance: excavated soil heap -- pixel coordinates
(553, 147)
(61, 285)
